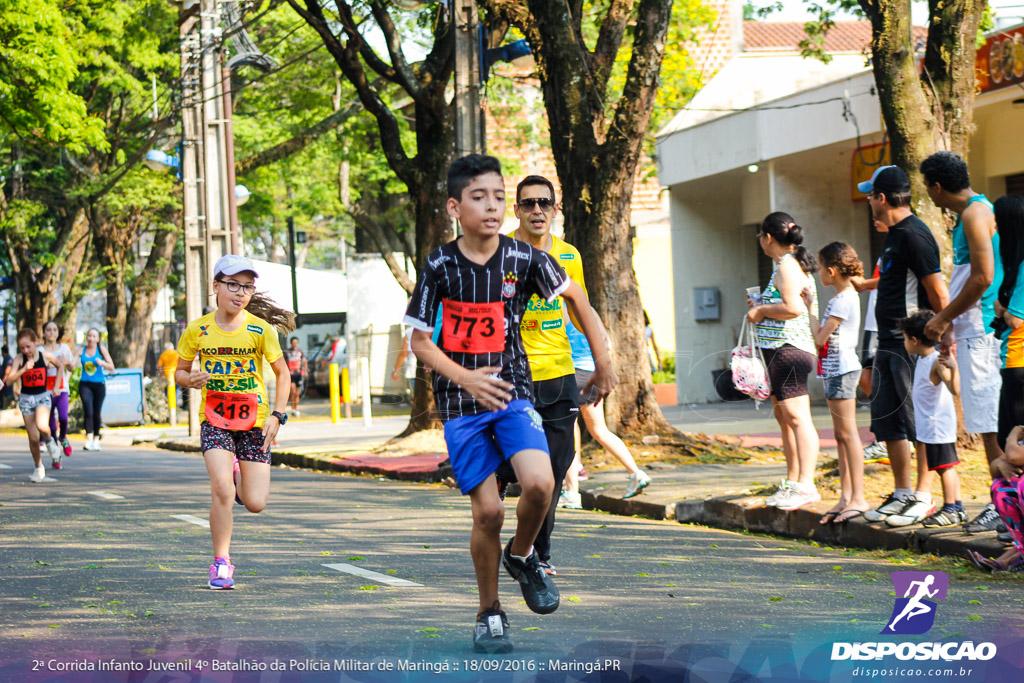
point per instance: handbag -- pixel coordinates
(749, 372)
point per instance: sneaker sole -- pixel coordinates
(219, 588)
(498, 649)
(638, 491)
(538, 609)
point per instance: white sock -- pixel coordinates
(88, 441)
(923, 496)
(807, 488)
(522, 559)
(903, 494)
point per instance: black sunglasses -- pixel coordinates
(544, 203)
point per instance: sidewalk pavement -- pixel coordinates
(715, 495)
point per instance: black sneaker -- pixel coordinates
(490, 634)
(539, 590)
(945, 518)
(1004, 537)
(988, 520)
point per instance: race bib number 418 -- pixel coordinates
(473, 328)
(235, 412)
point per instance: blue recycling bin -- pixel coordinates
(126, 401)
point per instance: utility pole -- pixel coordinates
(470, 133)
(206, 207)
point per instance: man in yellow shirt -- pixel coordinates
(555, 393)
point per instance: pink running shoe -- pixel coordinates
(66, 445)
(221, 572)
(583, 474)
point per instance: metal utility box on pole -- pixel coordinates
(470, 131)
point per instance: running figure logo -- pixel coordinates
(914, 612)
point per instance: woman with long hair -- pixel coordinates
(92, 387)
(783, 332)
(238, 426)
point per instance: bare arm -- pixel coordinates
(589, 323)
(790, 281)
(482, 384)
(978, 228)
(938, 293)
(284, 386)
(184, 377)
(105, 362)
(864, 284)
(945, 370)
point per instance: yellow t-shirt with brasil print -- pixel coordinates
(233, 359)
(543, 325)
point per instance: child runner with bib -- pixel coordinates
(59, 385)
(482, 383)
(30, 368)
(839, 367)
(238, 425)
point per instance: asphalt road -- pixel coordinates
(90, 578)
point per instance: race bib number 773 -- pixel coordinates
(234, 412)
(473, 328)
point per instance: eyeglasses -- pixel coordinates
(544, 203)
(235, 286)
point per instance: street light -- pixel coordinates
(242, 194)
(161, 161)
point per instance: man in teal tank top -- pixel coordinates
(973, 288)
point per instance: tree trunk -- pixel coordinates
(113, 240)
(76, 279)
(144, 293)
(596, 154)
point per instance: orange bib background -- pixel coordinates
(473, 328)
(234, 412)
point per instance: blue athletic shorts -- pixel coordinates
(477, 444)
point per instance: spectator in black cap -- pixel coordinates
(909, 279)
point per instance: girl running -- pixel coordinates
(34, 401)
(59, 385)
(839, 367)
(92, 388)
(230, 346)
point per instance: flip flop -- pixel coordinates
(846, 515)
(828, 518)
(984, 563)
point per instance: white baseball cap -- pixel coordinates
(233, 264)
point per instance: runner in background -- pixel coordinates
(29, 368)
(59, 385)
(237, 427)
(92, 387)
(298, 369)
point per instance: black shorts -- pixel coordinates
(247, 445)
(788, 368)
(555, 400)
(892, 379)
(1011, 403)
(296, 379)
(940, 455)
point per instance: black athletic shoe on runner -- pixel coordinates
(490, 634)
(539, 590)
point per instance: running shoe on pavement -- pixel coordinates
(913, 511)
(548, 568)
(539, 590)
(570, 501)
(66, 445)
(583, 474)
(797, 499)
(221, 572)
(987, 520)
(637, 483)
(890, 506)
(490, 634)
(944, 518)
(38, 474)
(783, 491)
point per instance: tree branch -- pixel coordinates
(347, 58)
(609, 40)
(297, 142)
(404, 73)
(375, 231)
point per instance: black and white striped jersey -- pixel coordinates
(482, 307)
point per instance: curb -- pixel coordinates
(751, 514)
(724, 512)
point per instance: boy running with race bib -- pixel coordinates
(238, 426)
(482, 383)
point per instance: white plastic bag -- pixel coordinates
(749, 372)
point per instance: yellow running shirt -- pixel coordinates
(543, 327)
(233, 359)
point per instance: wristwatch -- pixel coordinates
(281, 417)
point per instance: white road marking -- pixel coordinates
(374, 576)
(198, 521)
(5, 467)
(104, 495)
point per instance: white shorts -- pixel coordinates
(980, 383)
